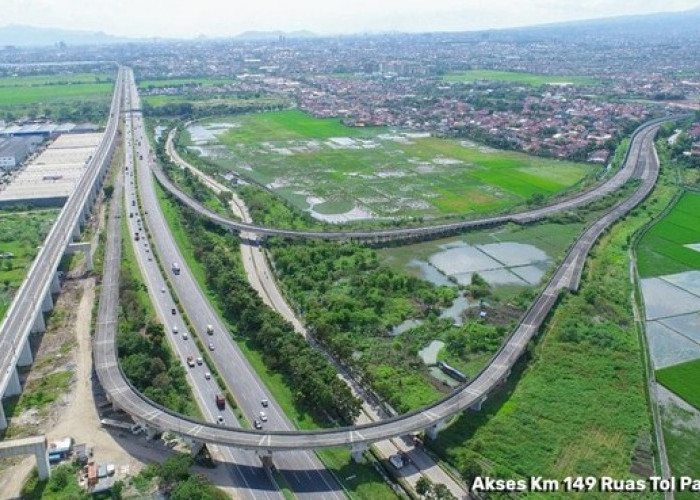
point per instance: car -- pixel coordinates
(257, 424)
(210, 329)
(162, 289)
(211, 346)
(207, 376)
(200, 361)
(173, 311)
(190, 361)
(184, 336)
(147, 250)
(263, 417)
(150, 259)
(264, 402)
(220, 420)
(175, 330)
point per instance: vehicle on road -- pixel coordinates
(184, 336)
(207, 376)
(200, 361)
(190, 361)
(211, 346)
(264, 402)
(210, 329)
(220, 420)
(257, 424)
(220, 401)
(175, 330)
(173, 311)
(263, 417)
(176, 268)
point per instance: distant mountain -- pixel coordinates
(664, 25)
(274, 35)
(22, 36)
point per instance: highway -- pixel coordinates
(28, 301)
(569, 203)
(248, 478)
(641, 163)
(302, 470)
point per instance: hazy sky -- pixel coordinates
(187, 18)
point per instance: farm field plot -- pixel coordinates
(518, 77)
(683, 380)
(340, 173)
(76, 97)
(179, 82)
(665, 247)
(20, 234)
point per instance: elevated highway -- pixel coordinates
(640, 163)
(609, 186)
(34, 296)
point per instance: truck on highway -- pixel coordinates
(220, 401)
(176, 268)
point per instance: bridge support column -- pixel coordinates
(265, 457)
(196, 447)
(25, 355)
(55, 284)
(357, 452)
(13, 385)
(42, 463)
(433, 430)
(39, 324)
(3, 419)
(84, 247)
(476, 406)
(47, 305)
(76, 231)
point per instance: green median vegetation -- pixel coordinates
(144, 353)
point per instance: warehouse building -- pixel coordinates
(15, 150)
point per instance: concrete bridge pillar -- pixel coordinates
(357, 452)
(25, 355)
(42, 463)
(39, 325)
(196, 447)
(3, 419)
(86, 248)
(55, 284)
(265, 457)
(433, 430)
(13, 385)
(47, 304)
(476, 406)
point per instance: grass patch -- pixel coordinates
(662, 251)
(62, 485)
(182, 82)
(518, 77)
(41, 392)
(682, 379)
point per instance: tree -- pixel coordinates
(108, 190)
(176, 468)
(423, 486)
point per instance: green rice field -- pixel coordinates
(518, 77)
(683, 380)
(376, 172)
(662, 251)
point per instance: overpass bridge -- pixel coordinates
(581, 199)
(640, 163)
(35, 295)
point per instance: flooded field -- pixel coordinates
(672, 307)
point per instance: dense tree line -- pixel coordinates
(175, 479)
(314, 380)
(144, 354)
(189, 110)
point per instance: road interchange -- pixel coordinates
(641, 162)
